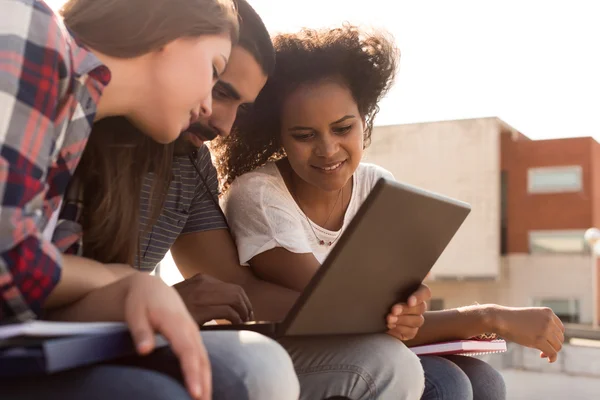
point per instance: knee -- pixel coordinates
(149, 385)
(402, 374)
(491, 386)
(444, 380)
(121, 382)
(487, 382)
(258, 368)
(272, 372)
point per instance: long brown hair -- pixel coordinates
(115, 162)
(118, 156)
(129, 28)
(365, 62)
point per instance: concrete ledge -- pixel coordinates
(572, 360)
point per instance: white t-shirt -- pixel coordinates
(262, 214)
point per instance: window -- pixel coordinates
(565, 309)
(436, 305)
(570, 242)
(554, 179)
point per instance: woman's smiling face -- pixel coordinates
(322, 133)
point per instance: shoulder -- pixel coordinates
(201, 162)
(263, 180)
(204, 157)
(368, 174)
(196, 167)
(262, 188)
(200, 156)
(34, 39)
(37, 25)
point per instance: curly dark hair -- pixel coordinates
(365, 62)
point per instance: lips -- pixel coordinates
(330, 167)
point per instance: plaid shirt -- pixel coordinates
(49, 89)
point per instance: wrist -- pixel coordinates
(493, 319)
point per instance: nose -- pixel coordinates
(327, 146)
(206, 106)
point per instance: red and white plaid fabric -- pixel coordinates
(49, 89)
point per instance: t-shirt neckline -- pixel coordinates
(310, 221)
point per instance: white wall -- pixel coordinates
(550, 276)
(460, 159)
(524, 278)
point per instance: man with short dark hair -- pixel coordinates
(191, 224)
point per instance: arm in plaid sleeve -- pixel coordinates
(32, 63)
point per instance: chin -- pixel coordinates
(330, 184)
(165, 136)
(160, 133)
(162, 139)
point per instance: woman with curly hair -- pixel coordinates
(294, 179)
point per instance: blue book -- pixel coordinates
(39, 354)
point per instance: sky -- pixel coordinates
(535, 64)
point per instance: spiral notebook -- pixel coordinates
(461, 347)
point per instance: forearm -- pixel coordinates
(80, 276)
(106, 303)
(214, 253)
(455, 324)
(271, 302)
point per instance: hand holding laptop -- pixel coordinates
(405, 319)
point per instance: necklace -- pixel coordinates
(310, 224)
(332, 208)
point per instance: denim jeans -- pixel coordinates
(370, 367)
(245, 366)
(356, 367)
(461, 378)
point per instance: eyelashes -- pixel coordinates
(338, 131)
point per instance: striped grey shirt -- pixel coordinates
(187, 209)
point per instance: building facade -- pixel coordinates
(532, 201)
